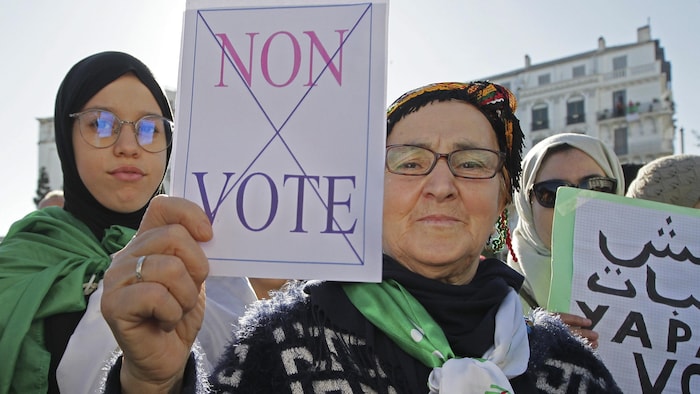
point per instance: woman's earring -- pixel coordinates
(499, 238)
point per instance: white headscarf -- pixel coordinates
(534, 258)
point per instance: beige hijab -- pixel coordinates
(534, 259)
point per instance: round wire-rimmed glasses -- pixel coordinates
(101, 129)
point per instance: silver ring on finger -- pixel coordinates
(139, 266)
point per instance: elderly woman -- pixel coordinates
(442, 320)
(566, 159)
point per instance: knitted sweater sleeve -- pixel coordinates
(268, 350)
(563, 363)
(286, 345)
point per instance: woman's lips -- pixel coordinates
(128, 174)
(438, 219)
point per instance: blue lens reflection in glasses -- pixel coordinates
(146, 129)
(105, 124)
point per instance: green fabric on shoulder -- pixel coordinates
(45, 259)
(391, 308)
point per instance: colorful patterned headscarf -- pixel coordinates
(496, 102)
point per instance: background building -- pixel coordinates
(50, 174)
(620, 94)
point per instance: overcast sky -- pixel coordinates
(429, 41)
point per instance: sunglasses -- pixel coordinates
(546, 192)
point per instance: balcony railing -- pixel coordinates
(636, 108)
(575, 118)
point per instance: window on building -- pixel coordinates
(620, 63)
(621, 141)
(544, 79)
(619, 66)
(619, 107)
(575, 111)
(579, 71)
(540, 117)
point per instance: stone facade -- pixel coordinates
(620, 94)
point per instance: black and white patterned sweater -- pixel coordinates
(293, 343)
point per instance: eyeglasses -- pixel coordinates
(473, 163)
(101, 129)
(546, 192)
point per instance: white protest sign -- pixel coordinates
(633, 268)
(280, 135)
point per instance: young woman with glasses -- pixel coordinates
(113, 127)
(567, 159)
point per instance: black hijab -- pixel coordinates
(82, 82)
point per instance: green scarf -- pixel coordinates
(391, 308)
(45, 259)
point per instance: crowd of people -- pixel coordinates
(109, 274)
